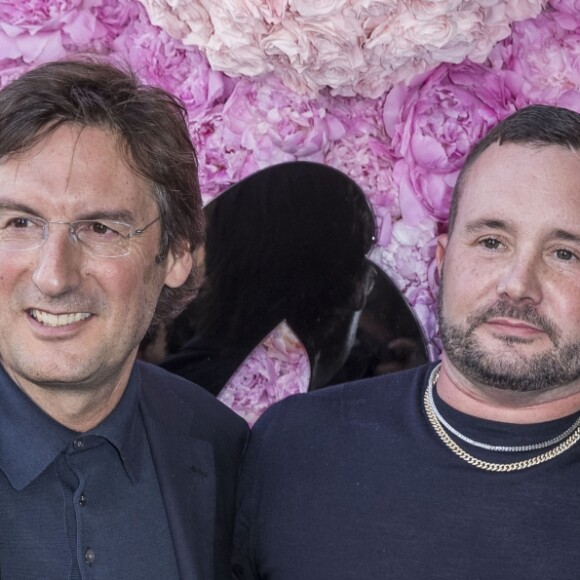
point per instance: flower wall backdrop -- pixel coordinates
(391, 92)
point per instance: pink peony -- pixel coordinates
(222, 162)
(433, 124)
(313, 53)
(12, 72)
(522, 9)
(409, 261)
(317, 8)
(352, 46)
(188, 21)
(566, 12)
(113, 17)
(541, 60)
(277, 125)
(37, 31)
(276, 369)
(363, 153)
(233, 44)
(164, 61)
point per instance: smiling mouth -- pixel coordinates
(55, 320)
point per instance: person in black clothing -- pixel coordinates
(464, 468)
(286, 243)
(289, 243)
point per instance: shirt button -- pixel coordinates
(82, 500)
(90, 557)
(78, 444)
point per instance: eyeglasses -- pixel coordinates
(103, 238)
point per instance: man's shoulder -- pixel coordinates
(172, 398)
(365, 400)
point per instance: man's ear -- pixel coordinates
(178, 267)
(442, 242)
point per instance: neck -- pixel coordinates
(505, 406)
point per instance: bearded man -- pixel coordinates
(464, 468)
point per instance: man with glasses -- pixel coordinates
(109, 468)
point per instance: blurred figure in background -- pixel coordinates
(287, 244)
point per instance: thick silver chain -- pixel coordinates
(435, 420)
(500, 448)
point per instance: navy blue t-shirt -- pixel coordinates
(352, 483)
(79, 505)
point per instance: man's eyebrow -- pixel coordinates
(495, 224)
(118, 216)
(566, 236)
(16, 206)
(487, 224)
(115, 215)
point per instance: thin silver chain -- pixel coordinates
(485, 465)
(500, 448)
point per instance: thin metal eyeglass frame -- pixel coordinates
(74, 238)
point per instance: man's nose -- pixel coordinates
(58, 263)
(521, 279)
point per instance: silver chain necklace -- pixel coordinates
(500, 448)
(439, 428)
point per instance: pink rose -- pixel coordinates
(437, 34)
(236, 57)
(434, 33)
(433, 124)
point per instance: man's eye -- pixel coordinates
(20, 222)
(97, 229)
(491, 243)
(565, 255)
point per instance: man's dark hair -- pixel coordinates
(153, 140)
(536, 125)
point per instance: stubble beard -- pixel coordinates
(509, 368)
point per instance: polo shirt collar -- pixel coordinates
(30, 440)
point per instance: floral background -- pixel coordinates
(392, 92)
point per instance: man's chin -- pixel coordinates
(512, 370)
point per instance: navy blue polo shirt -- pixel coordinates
(79, 505)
